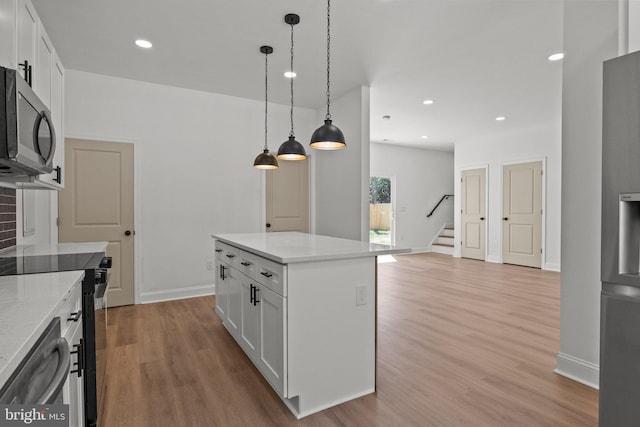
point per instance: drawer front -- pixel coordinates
(227, 254)
(70, 313)
(272, 275)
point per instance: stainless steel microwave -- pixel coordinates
(27, 137)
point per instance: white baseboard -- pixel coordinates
(421, 250)
(494, 259)
(179, 293)
(551, 266)
(578, 370)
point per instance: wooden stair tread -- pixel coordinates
(443, 244)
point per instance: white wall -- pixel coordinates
(590, 37)
(536, 143)
(341, 179)
(194, 168)
(42, 213)
(422, 177)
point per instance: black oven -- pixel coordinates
(94, 311)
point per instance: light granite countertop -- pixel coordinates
(27, 306)
(55, 249)
(291, 247)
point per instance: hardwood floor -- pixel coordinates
(460, 343)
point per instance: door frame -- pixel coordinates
(458, 233)
(137, 225)
(393, 226)
(543, 195)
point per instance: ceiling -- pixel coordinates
(478, 59)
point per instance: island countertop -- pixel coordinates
(292, 247)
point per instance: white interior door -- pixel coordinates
(473, 217)
(287, 193)
(522, 214)
(96, 205)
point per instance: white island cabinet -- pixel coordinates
(303, 308)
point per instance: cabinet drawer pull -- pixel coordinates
(266, 274)
(231, 256)
(79, 361)
(75, 316)
(246, 263)
(218, 250)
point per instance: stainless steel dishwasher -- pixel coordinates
(42, 373)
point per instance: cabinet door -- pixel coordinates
(249, 336)
(234, 309)
(8, 33)
(222, 290)
(27, 34)
(73, 391)
(42, 74)
(272, 358)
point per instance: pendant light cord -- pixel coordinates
(266, 94)
(328, 116)
(291, 132)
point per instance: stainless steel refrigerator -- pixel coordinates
(620, 298)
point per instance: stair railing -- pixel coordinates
(445, 197)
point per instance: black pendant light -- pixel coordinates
(291, 149)
(328, 136)
(265, 160)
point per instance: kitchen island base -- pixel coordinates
(309, 326)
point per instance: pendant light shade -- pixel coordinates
(292, 149)
(265, 160)
(328, 136)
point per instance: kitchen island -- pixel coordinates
(303, 308)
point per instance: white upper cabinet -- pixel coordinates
(8, 33)
(44, 70)
(27, 32)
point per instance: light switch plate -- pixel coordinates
(361, 295)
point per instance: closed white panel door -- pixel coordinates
(288, 196)
(522, 214)
(473, 213)
(96, 205)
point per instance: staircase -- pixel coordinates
(443, 242)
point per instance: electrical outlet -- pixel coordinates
(210, 264)
(361, 295)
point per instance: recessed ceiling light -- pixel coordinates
(556, 56)
(428, 101)
(290, 74)
(424, 137)
(143, 43)
(500, 118)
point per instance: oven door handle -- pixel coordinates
(61, 346)
(100, 290)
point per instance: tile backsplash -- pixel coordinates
(7, 217)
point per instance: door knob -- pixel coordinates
(268, 225)
(505, 218)
(127, 233)
(481, 218)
